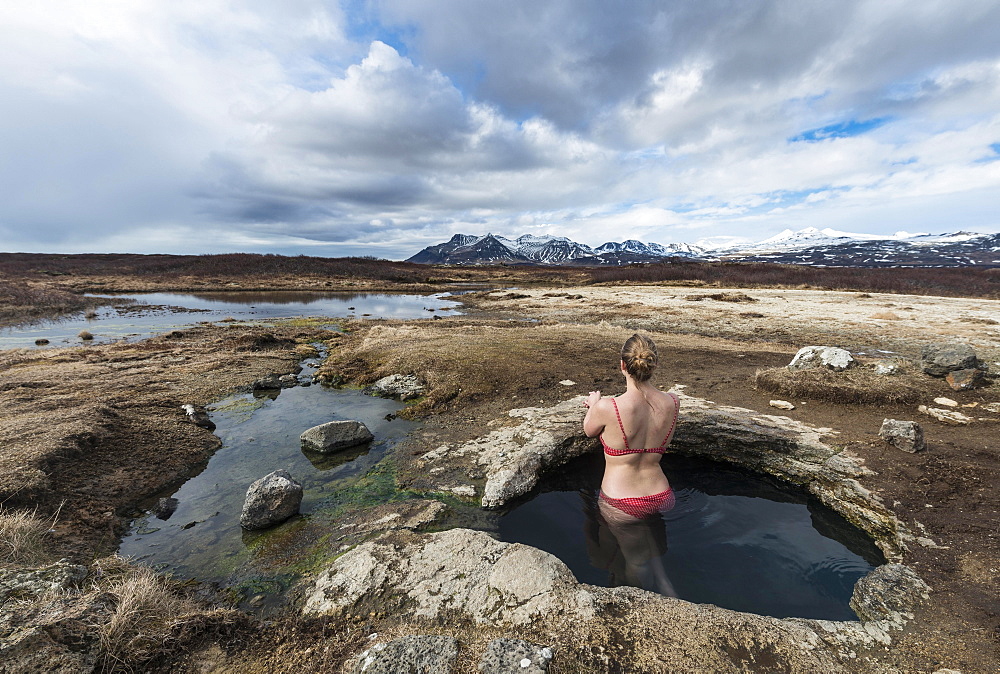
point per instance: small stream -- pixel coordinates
(137, 316)
(202, 537)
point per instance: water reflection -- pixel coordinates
(201, 537)
(154, 313)
(736, 539)
(630, 549)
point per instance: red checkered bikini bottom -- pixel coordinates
(642, 506)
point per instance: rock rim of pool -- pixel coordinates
(509, 462)
(462, 577)
(335, 436)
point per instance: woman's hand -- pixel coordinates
(592, 399)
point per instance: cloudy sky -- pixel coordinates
(377, 128)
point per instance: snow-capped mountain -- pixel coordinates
(811, 246)
(546, 250)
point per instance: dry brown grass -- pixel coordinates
(144, 613)
(22, 302)
(22, 536)
(465, 364)
(855, 386)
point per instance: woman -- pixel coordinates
(635, 429)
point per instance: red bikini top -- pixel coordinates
(651, 450)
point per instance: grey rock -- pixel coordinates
(269, 382)
(288, 381)
(830, 357)
(412, 654)
(886, 367)
(950, 417)
(271, 500)
(335, 435)
(402, 386)
(455, 571)
(513, 656)
(26, 583)
(889, 593)
(939, 359)
(198, 417)
(905, 435)
(165, 507)
(963, 380)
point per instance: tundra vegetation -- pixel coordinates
(89, 432)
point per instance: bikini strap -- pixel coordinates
(618, 414)
(673, 424)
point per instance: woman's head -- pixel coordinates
(639, 356)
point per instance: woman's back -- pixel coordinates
(644, 422)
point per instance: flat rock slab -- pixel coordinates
(417, 654)
(334, 436)
(514, 656)
(401, 386)
(830, 357)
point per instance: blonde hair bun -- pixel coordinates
(639, 356)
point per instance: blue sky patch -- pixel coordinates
(853, 127)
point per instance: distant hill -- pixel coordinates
(809, 246)
(547, 250)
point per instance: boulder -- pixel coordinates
(830, 357)
(198, 417)
(889, 593)
(514, 656)
(334, 436)
(963, 380)
(271, 500)
(401, 386)
(905, 435)
(269, 382)
(165, 507)
(939, 359)
(781, 404)
(288, 381)
(426, 654)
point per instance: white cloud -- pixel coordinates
(221, 125)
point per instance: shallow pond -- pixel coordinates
(736, 539)
(202, 538)
(154, 313)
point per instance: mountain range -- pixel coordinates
(810, 246)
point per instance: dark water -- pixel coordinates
(203, 538)
(156, 313)
(735, 539)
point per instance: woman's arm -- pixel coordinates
(593, 423)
